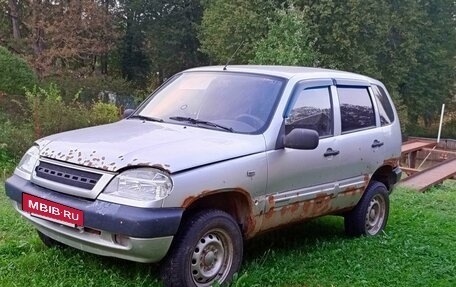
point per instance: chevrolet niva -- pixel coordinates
(216, 156)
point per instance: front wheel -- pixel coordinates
(370, 215)
(207, 249)
(48, 241)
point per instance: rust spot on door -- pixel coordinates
(322, 204)
(271, 204)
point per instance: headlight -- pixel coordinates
(28, 161)
(142, 184)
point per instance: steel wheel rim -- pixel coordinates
(375, 215)
(212, 258)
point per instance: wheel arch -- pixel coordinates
(235, 202)
(385, 175)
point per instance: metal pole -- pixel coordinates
(438, 136)
(441, 122)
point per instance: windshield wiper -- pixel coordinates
(200, 122)
(146, 118)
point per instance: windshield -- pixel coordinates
(235, 102)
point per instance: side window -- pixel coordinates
(312, 110)
(385, 109)
(356, 108)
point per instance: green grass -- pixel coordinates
(418, 248)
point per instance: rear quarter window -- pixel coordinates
(385, 109)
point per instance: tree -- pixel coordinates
(14, 14)
(349, 35)
(5, 23)
(159, 38)
(134, 63)
(431, 81)
(68, 35)
(12, 27)
(229, 24)
(288, 42)
(407, 44)
(172, 36)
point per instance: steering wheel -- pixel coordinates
(249, 119)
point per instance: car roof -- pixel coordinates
(287, 72)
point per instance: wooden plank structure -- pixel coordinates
(410, 149)
(420, 180)
(436, 174)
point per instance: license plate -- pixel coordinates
(52, 211)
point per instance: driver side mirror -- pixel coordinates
(127, 113)
(301, 139)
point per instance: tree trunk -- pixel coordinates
(14, 14)
(104, 56)
(104, 63)
(37, 38)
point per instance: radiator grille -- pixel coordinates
(66, 175)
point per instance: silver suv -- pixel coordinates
(216, 156)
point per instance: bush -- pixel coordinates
(15, 74)
(46, 113)
(50, 114)
(102, 113)
(14, 141)
(7, 164)
(420, 130)
(94, 87)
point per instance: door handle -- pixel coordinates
(330, 152)
(377, 143)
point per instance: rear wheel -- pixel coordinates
(207, 250)
(370, 215)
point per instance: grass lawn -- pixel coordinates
(418, 248)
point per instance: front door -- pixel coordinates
(301, 183)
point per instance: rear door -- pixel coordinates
(361, 140)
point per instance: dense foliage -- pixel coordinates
(110, 50)
(409, 45)
(15, 73)
(229, 25)
(288, 42)
(44, 112)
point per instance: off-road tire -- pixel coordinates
(207, 249)
(370, 215)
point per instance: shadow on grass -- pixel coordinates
(303, 236)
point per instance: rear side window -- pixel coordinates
(356, 108)
(312, 109)
(385, 109)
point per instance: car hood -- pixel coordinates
(127, 143)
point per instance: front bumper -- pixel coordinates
(132, 233)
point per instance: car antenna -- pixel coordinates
(234, 54)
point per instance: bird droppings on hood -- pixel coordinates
(100, 147)
(91, 161)
(77, 157)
